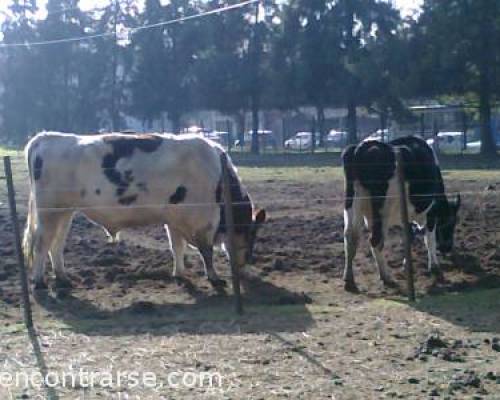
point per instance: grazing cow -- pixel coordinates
(120, 181)
(372, 197)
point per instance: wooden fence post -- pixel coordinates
(228, 211)
(403, 206)
(28, 318)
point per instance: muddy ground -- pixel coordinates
(302, 336)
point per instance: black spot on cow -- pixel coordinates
(373, 164)
(124, 147)
(128, 200)
(37, 168)
(142, 187)
(179, 195)
(120, 191)
(83, 193)
(98, 192)
(421, 171)
(242, 206)
(128, 176)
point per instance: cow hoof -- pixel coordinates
(63, 283)
(389, 283)
(40, 285)
(351, 287)
(180, 280)
(218, 283)
(438, 275)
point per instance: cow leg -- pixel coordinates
(57, 249)
(430, 243)
(377, 247)
(352, 226)
(178, 248)
(207, 254)
(43, 237)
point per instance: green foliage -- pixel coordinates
(455, 45)
(320, 53)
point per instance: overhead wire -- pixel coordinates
(131, 30)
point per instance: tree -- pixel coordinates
(384, 66)
(117, 16)
(359, 22)
(20, 76)
(221, 68)
(58, 65)
(309, 56)
(149, 72)
(454, 42)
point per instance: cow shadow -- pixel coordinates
(477, 309)
(472, 303)
(267, 308)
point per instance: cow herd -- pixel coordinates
(120, 180)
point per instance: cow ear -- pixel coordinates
(260, 217)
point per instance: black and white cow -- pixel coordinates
(120, 181)
(372, 198)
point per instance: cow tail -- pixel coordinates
(349, 174)
(28, 239)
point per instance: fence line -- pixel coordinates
(271, 202)
(243, 184)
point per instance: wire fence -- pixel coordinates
(278, 202)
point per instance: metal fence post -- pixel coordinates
(228, 210)
(28, 318)
(406, 225)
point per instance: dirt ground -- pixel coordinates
(301, 337)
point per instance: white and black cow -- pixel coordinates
(372, 198)
(120, 181)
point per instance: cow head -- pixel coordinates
(446, 222)
(245, 239)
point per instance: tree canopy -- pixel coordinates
(270, 55)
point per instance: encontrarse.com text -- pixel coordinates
(111, 379)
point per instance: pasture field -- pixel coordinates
(301, 337)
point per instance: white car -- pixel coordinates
(336, 138)
(452, 142)
(301, 141)
(382, 135)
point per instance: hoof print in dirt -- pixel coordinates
(463, 381)
(437, 347)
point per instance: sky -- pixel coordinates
(407, 6)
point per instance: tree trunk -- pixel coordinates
(256, 91)
(255, 124)
(352, 129)
(488, 146)
(383, 124)
(314, 128)
(240, 127)
(114, 66)
(320, 114)
(175, 117)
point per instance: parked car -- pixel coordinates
(301, 141)
(266, 139)
(382, 135)
(452, 142)
(336, 138)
